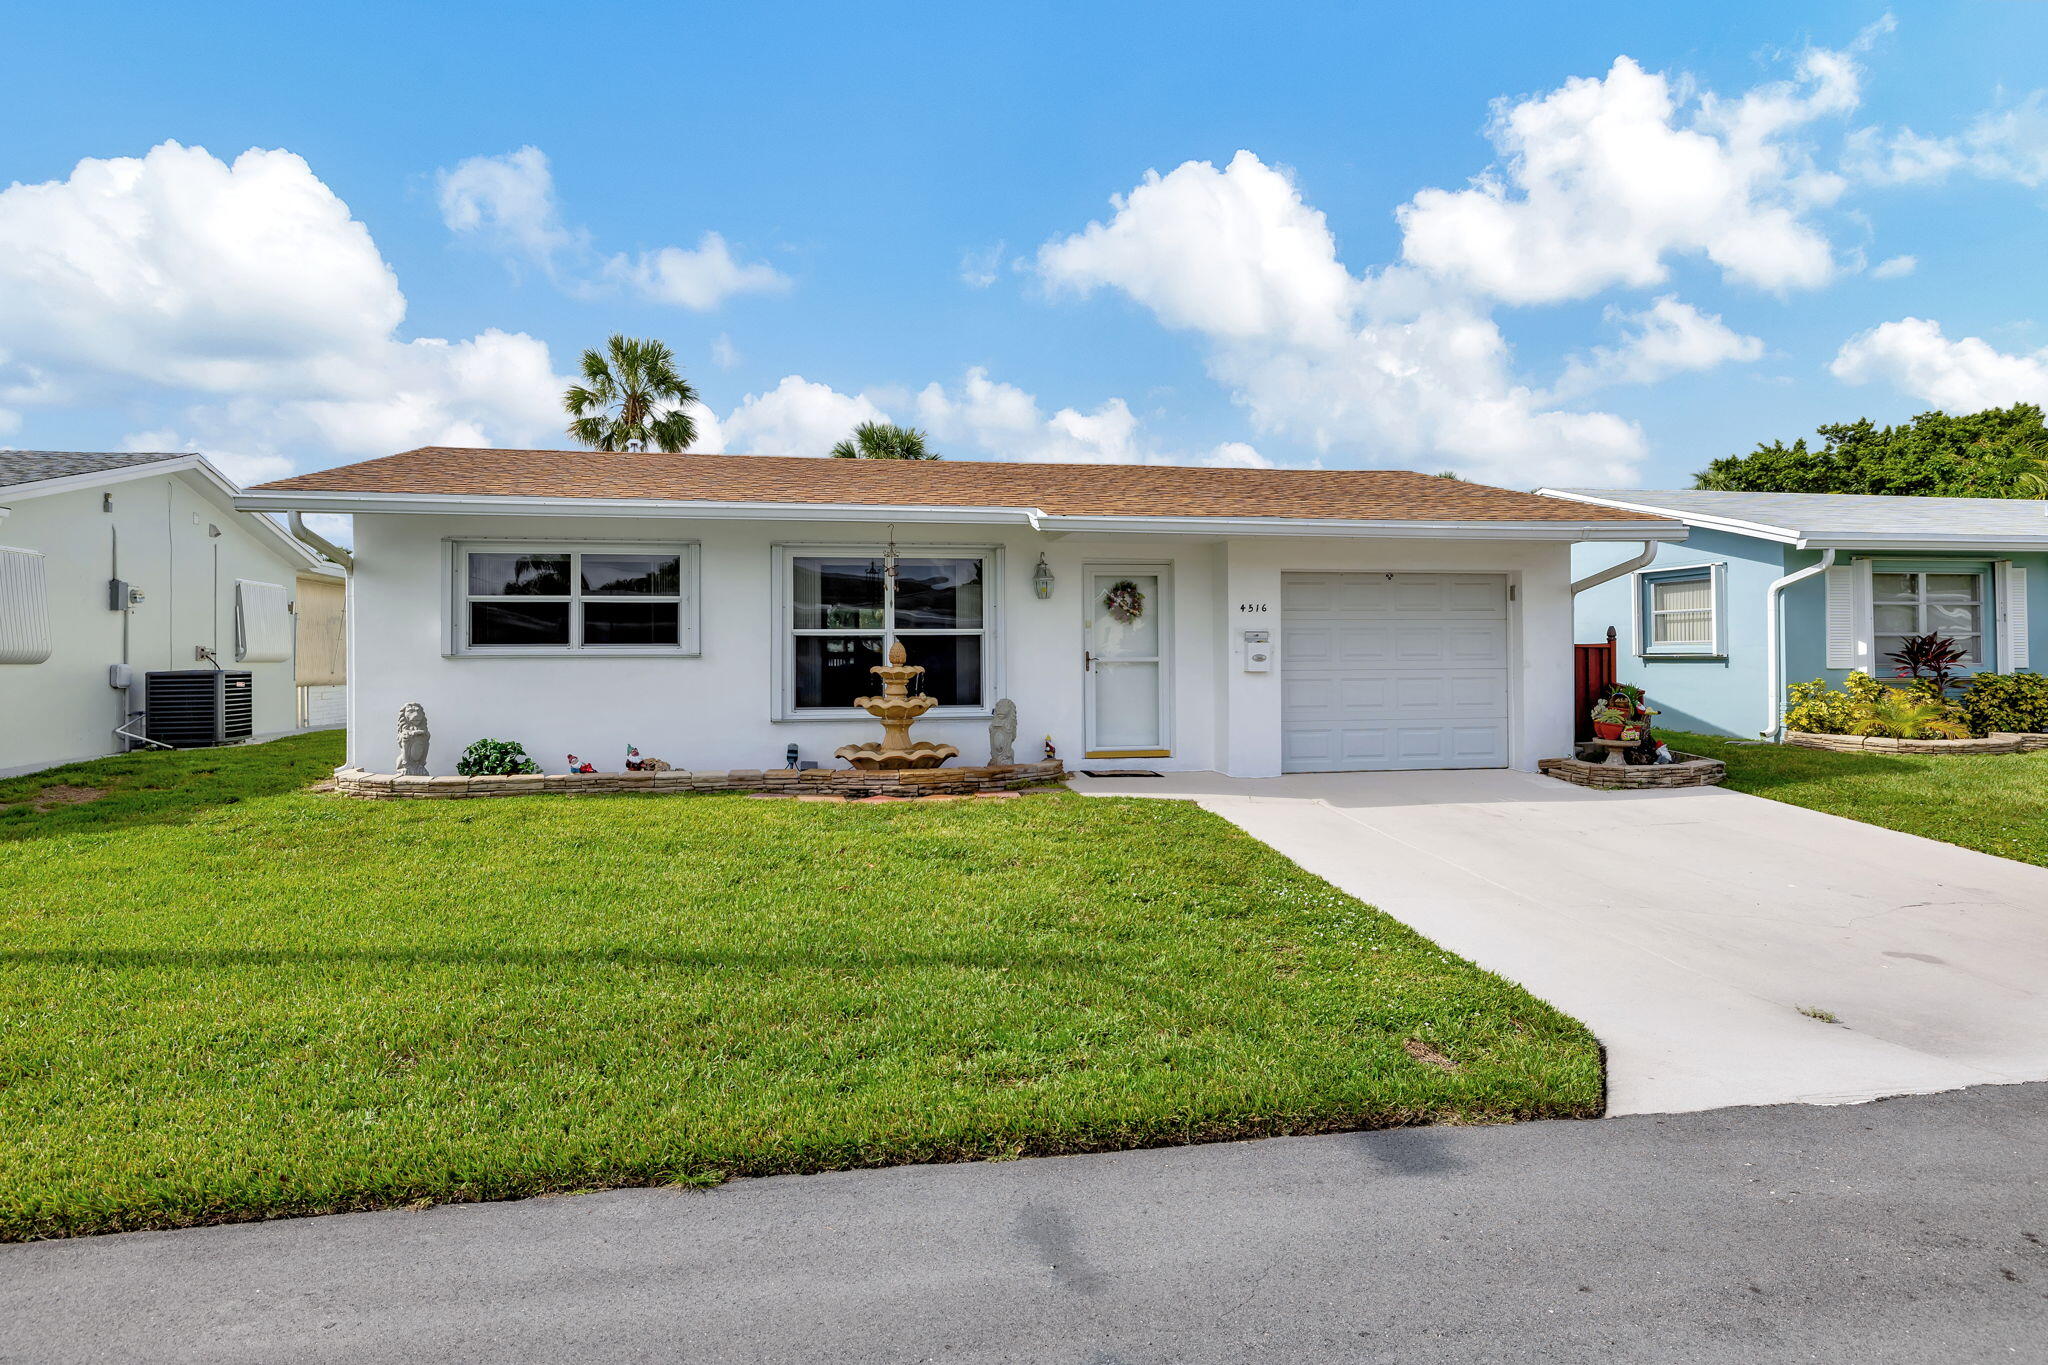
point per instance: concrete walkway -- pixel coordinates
(1688, 928)
(1911, 1231)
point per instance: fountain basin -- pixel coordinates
(873, 757)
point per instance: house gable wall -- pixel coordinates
(62, 710)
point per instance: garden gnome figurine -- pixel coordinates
(412, 740)
(1002, 734)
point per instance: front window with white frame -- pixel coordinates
(842, 608)
(1681, 612)
(1947, 604)
(543, 598)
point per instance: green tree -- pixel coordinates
(1996, 453)
(631, 391)
(884, 441)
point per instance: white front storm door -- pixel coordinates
(1129, 622)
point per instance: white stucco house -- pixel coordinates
(115, 566)
(714, 610)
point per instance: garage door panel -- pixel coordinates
(1479, 645)
(1388, 672)
(1308, 646)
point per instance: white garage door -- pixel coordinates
(1384, 670)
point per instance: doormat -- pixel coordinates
(1118, 772)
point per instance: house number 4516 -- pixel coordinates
(1252, 606)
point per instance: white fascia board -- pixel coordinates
(456, 505)
(1904, 542)
(1703, 521)
(1371, 529)
(218, 489)
(100, 478)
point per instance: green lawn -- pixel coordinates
(223, 997)
(1994, 803)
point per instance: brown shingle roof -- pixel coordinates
(1058, 489)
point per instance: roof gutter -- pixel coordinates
(1774, 643)
(319, 544)
(1614, 571)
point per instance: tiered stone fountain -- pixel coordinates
(897, 709)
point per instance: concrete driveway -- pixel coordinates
(1688, 928)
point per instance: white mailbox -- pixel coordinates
(1258, 651)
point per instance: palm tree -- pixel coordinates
(884, 441)
(631, 392)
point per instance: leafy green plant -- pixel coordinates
(1869, 706)
(1818, 709)
(2013, 702)
(495, 758)
(1996, 453)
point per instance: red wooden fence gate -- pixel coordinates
(1592, 675)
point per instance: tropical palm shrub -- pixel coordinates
(884, 441)
(631, 391)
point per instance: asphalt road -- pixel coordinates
(1906, 1230)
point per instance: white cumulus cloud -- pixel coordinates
(1961, 375)
(509, 203)
(1603, 181)
(1999, 144)
(796, 417)
(977, 418)
(248, 299)
(1667, 338)
(1894, 267)
(1393, 364)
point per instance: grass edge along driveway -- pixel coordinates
(1993, 803)
(224, 998)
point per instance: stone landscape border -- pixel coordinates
(2001, 742)
(845, 782)
(1686, 770)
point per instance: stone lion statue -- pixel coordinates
(412, 740)
(1002, 734)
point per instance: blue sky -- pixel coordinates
(1834, 211)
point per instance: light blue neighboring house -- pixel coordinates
(1776, 588)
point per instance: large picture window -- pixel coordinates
(844, 610)
(1950, 604)
(554, 599)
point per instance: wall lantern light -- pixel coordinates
(1041, 579)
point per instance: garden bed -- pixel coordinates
(790, 781)
(1999, 743)
(1687, 770)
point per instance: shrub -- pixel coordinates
(1866, 706)
(495, 758)
(1819, 709)
(2016, 702)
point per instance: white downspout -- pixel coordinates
(1774, 645)
(319, 544)
(1615, 571)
